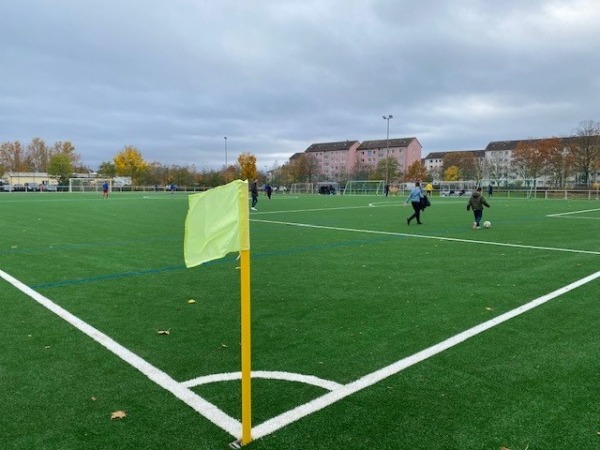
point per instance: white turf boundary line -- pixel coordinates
(297, 413)
(338, 392)
(208, 410)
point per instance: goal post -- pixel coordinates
(302, 188)
(364, 187)
(88, 184)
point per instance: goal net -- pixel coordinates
(457, 188)
(302, 188)
(364, 187)
(88, 184)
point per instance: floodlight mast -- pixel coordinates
(387, 148)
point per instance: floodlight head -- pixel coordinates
(391, 117)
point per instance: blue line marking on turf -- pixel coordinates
(135, 273)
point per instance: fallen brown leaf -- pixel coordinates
(118, 415)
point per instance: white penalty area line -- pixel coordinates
(424, 236)
(325, 400)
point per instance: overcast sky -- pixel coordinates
(174, 77)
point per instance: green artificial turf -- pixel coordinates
(341, 287)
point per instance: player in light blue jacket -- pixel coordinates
(415, 196)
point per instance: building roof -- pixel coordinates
(383, 143)
(330, 146)
(436, 155)
(26, 174)
(511, 145)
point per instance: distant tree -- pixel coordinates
(107, 169)
(68, 149)
(416, 171)
(247, 162)
(497, 166)
(363, 171)
(452, 173)
(464, 161)
(585, 149)
(281, 176)
(129, 162)
(12, 157)
(181, 175)
(530, 159)
(560, 161)
(304, 168)
(61, 167)
(387, 169)
(37, 155)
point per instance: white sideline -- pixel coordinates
(206, 409)
(337, 391)
(297, 413)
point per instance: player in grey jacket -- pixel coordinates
(476, 203)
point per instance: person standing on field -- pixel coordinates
(268, 190)
(105, 189)
(254, 192)
(476, 203)
(429, 189)
(415, 196)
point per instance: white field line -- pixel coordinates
(424, 236)
(271, 375)
(337, 391)
(319, 403)
(576, 212)
(206, 409)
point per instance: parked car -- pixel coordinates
(32, 187)
(6, 188)
(19, 187)
(50, 187)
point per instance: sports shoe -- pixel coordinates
(474, 225)
(254, 209)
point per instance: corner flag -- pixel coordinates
(217, 223)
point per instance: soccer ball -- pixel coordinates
(487, 224)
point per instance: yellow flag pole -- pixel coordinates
(246, 347)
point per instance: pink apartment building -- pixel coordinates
(337, 160)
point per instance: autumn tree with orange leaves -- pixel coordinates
(530, 159)
(247, 162)
(416, 171)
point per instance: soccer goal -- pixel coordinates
(302, 188)
(88, 184)
(457, 188)
(364, 187)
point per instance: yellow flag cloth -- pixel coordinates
(217, 223)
